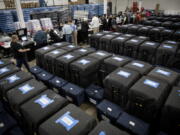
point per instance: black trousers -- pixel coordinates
(21, 61)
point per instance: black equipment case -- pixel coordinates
(71, 120)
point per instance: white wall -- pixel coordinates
(171, 5)
(56, 2)
(2, 6)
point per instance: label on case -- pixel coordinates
(58, 44)
(163, 72)
(150, 43)
(44, 101)
(100, 53)
(132, 123)
(4, 70)
(109, 109)
(151, 83)
(118, 59)
(121, 38)
(68, 56)
(71, 46)
(45, 48)
(138, 64)
(1, 62)
(92, 101)
(12, 79)
(172, 42)
(83, 61)
(167, 46)
(83, 50)
(124, 74)
(133, 40)
(25, 88)
(98, 34)
(55, 52)
(67, 121)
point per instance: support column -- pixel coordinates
(105, 6)
(140, 5)
(20, 13)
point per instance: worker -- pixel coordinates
(19, 52)
(41, 38)
(84, 30)
(95, 24)
(67, 31)
(74, 32)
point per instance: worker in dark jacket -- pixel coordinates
(40, 38)
(19, 52)
(84, 30)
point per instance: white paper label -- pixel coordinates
(132, 123)
(108, 35)
(55, 52)
(167, 46)
(163, 72)
(57, 81)
(3, 70)
(83, 62)
(128, 35)
(121, 38)
(109, 109)
(71, 46)
(118, 59)
(1, 62)
(26, 88)
(13, 78)
(44, 101)
(58, 44)
(150, 43)
(100, 53)
(133, 40)
(124, 74)
(92, 101)
(138, 64)
(45, 48)
(172, 42)
(83, 50)
(68, 121)
(151, 83)
(68, 56)
(168, 31)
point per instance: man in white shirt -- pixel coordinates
(95, 24)
(67, 31)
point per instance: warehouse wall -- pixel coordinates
(2, 4)
(57, 2)
(171, 5)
